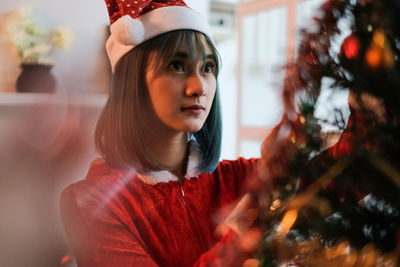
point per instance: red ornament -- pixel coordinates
(351, 46)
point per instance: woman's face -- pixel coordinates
(181, 93)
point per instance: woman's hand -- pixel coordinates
(280, 145)
(241, 220)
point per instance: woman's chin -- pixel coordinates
(193, 127)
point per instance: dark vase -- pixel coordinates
(36, 78)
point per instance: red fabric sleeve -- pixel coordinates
(100, 239)
(97, 238)
(225, 253)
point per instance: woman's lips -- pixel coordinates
(196, 109)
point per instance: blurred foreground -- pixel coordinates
(46, 144)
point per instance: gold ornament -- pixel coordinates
(374, 56)
(380, 53)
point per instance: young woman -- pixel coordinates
(155, 196)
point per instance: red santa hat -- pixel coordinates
(135, 21)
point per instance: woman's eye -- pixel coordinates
(209, 67)
(177, 66)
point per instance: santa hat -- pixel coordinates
(135, 21)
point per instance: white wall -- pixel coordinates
(84, 68)
(201, 6)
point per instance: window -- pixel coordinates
(268, 33)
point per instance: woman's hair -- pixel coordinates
(120, 129)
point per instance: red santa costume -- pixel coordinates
(122, 218)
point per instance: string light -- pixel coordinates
(287, 222)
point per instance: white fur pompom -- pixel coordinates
(128, 31)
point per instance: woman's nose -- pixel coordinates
(195, 85)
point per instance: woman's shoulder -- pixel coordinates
(99, 172)
(101, 181)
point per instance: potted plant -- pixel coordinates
(36, 49)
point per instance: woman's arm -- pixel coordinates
(98, 238)
(227, 252)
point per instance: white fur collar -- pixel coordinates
(155, 177)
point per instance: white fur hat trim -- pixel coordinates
(156, 22)
(128, 31)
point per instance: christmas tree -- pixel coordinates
(337, 206)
